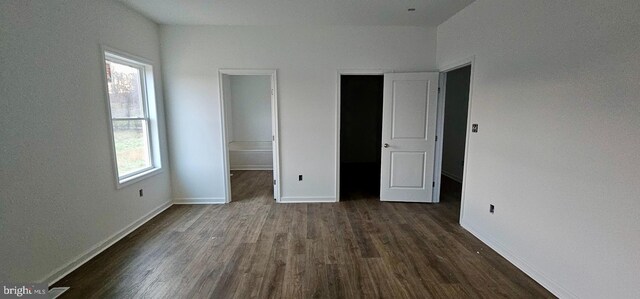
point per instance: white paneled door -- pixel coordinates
(408, 136)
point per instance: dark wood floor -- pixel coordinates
(252, 247)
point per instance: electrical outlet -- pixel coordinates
(492, 208)
(299, 177)
(141, 192)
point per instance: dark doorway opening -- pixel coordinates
(360, 135)
(455, 133)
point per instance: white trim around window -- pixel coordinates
(146, 117)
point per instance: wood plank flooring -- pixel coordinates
(255, 248)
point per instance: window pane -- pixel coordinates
(125, 90)
(132, 145)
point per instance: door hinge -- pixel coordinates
(273, 137)
(436, 138)
(272, 91)
(433, 184)
(274, 182)
(438, 89)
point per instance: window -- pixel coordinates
(131, 102)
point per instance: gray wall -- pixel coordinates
(57, 181)
(455, 122)
(307, 59)
(556, 95)
(251, 107)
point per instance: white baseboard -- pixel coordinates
(452, 176)
(307, 199)
(63, 271)
(252, 167)
(199, 201)
(520, 263)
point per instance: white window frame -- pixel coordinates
(150, 114)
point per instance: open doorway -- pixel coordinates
(455, 101)
(361, 104)
(249, 115)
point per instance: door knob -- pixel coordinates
(386, 145)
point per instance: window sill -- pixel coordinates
(138, 177)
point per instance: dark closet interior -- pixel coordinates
(360, 135)
(455, 133)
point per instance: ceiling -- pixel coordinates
(299, 12)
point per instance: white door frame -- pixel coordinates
(274, 123)
(440, 128)
(338, 101)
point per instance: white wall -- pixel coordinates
(307, 60)
(556, 97)
(228, 104)
(251, 111)
(455, 122)
(57, 182)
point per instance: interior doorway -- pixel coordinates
(454, 127)
(250, 135)
(361, 99)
